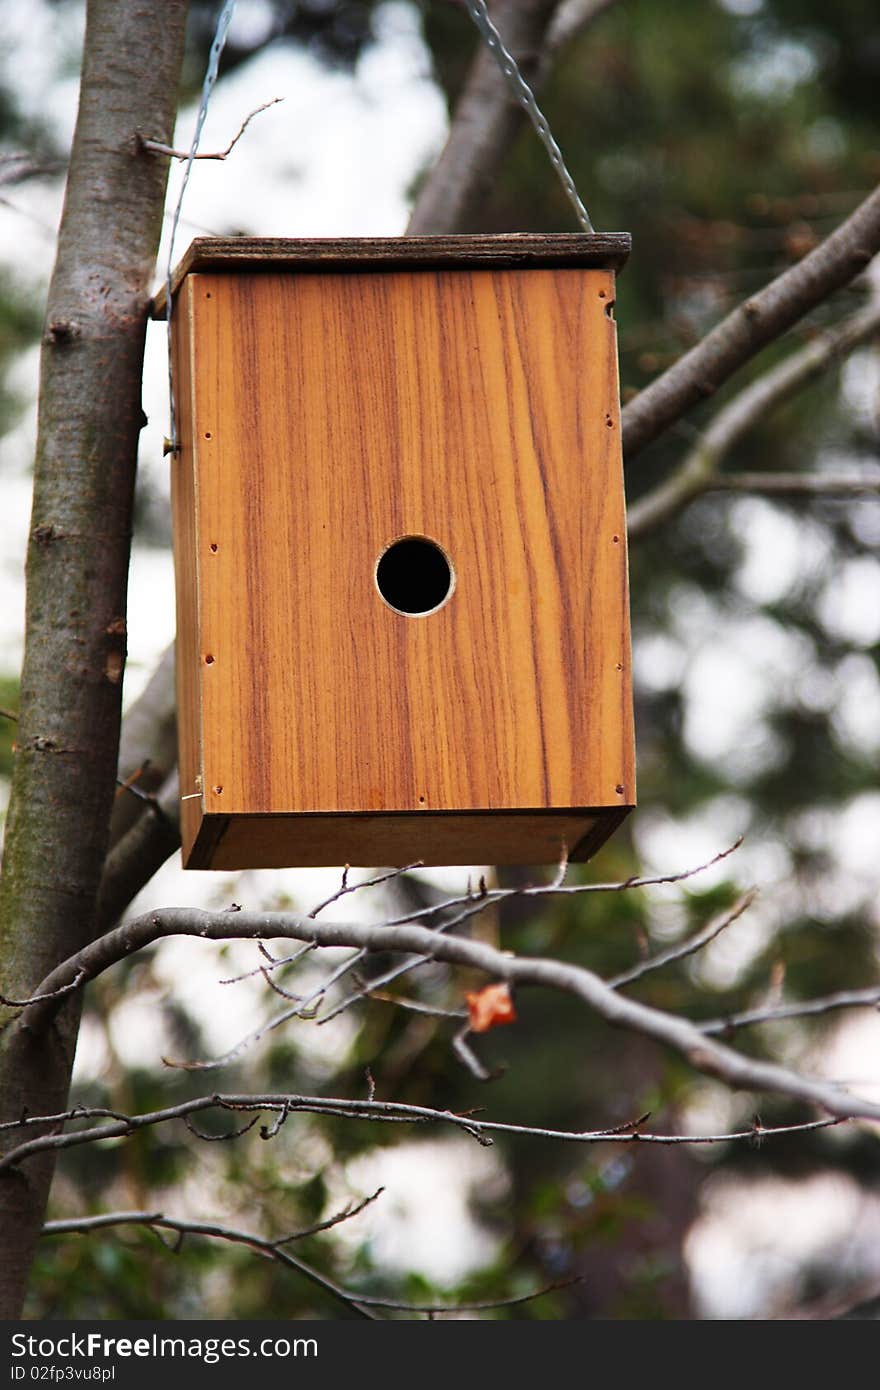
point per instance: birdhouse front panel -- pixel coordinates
(400, 543)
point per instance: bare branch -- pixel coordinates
(371, 1110)
(756, 322)
(58, 993)
(487, 118)
(156, 146)
(140, 852)
(347, 887)
(689, 947)
(271, 1249)
(809, 1008)
(700, 470)
(470, 1061)
(368, 991)
(683, 1036)
(485, 121)
(141, 840)
(801, 484)
(156, 1220)
(274, 964)
(346, 1214)
(397, 971)
(219, 1138)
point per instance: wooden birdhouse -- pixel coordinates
(400, 551)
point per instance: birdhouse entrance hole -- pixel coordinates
(414, 577)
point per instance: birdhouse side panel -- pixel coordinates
(184, 508)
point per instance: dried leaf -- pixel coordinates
(489, 1007)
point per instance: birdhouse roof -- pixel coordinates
(605, 250)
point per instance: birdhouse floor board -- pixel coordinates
(270, 842)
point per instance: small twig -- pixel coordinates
(687, 948)
(274, 962)
(156, 147)
(800, 484)
(279, 989)
(87, 1225)
(411, 1005)
(270, 1131)
(809, 1008)
(397, 971)
(49, 994)
(219, 1138)
(630, 1126)
(347, 887)
(347, 1214)
(472, 1063)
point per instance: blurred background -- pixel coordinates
(729, 137)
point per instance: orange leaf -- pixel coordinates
(490, 1006)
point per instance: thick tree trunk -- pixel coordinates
(90, 416)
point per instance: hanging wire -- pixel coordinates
(217, 45)
(509, 68)
(526, 98)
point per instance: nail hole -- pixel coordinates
(619, 789)
(208, 434)
(422, 800)
(209, 660)
(218, 790)
(414, 577)
(619, 666)
(616, 540)
(214, 547)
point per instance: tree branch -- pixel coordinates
(148, 741)
(689, 947)
(271, 1249)
(807, 1008)
(487, 118)
(752, 325)
(679, 1034)
(373, 1111)
(700, 472)
(140, 853)
(157, 147)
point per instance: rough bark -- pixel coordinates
(89, 419)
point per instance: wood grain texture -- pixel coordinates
(498, 837)
(597, 250)
(334, 414)
(187, 666)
